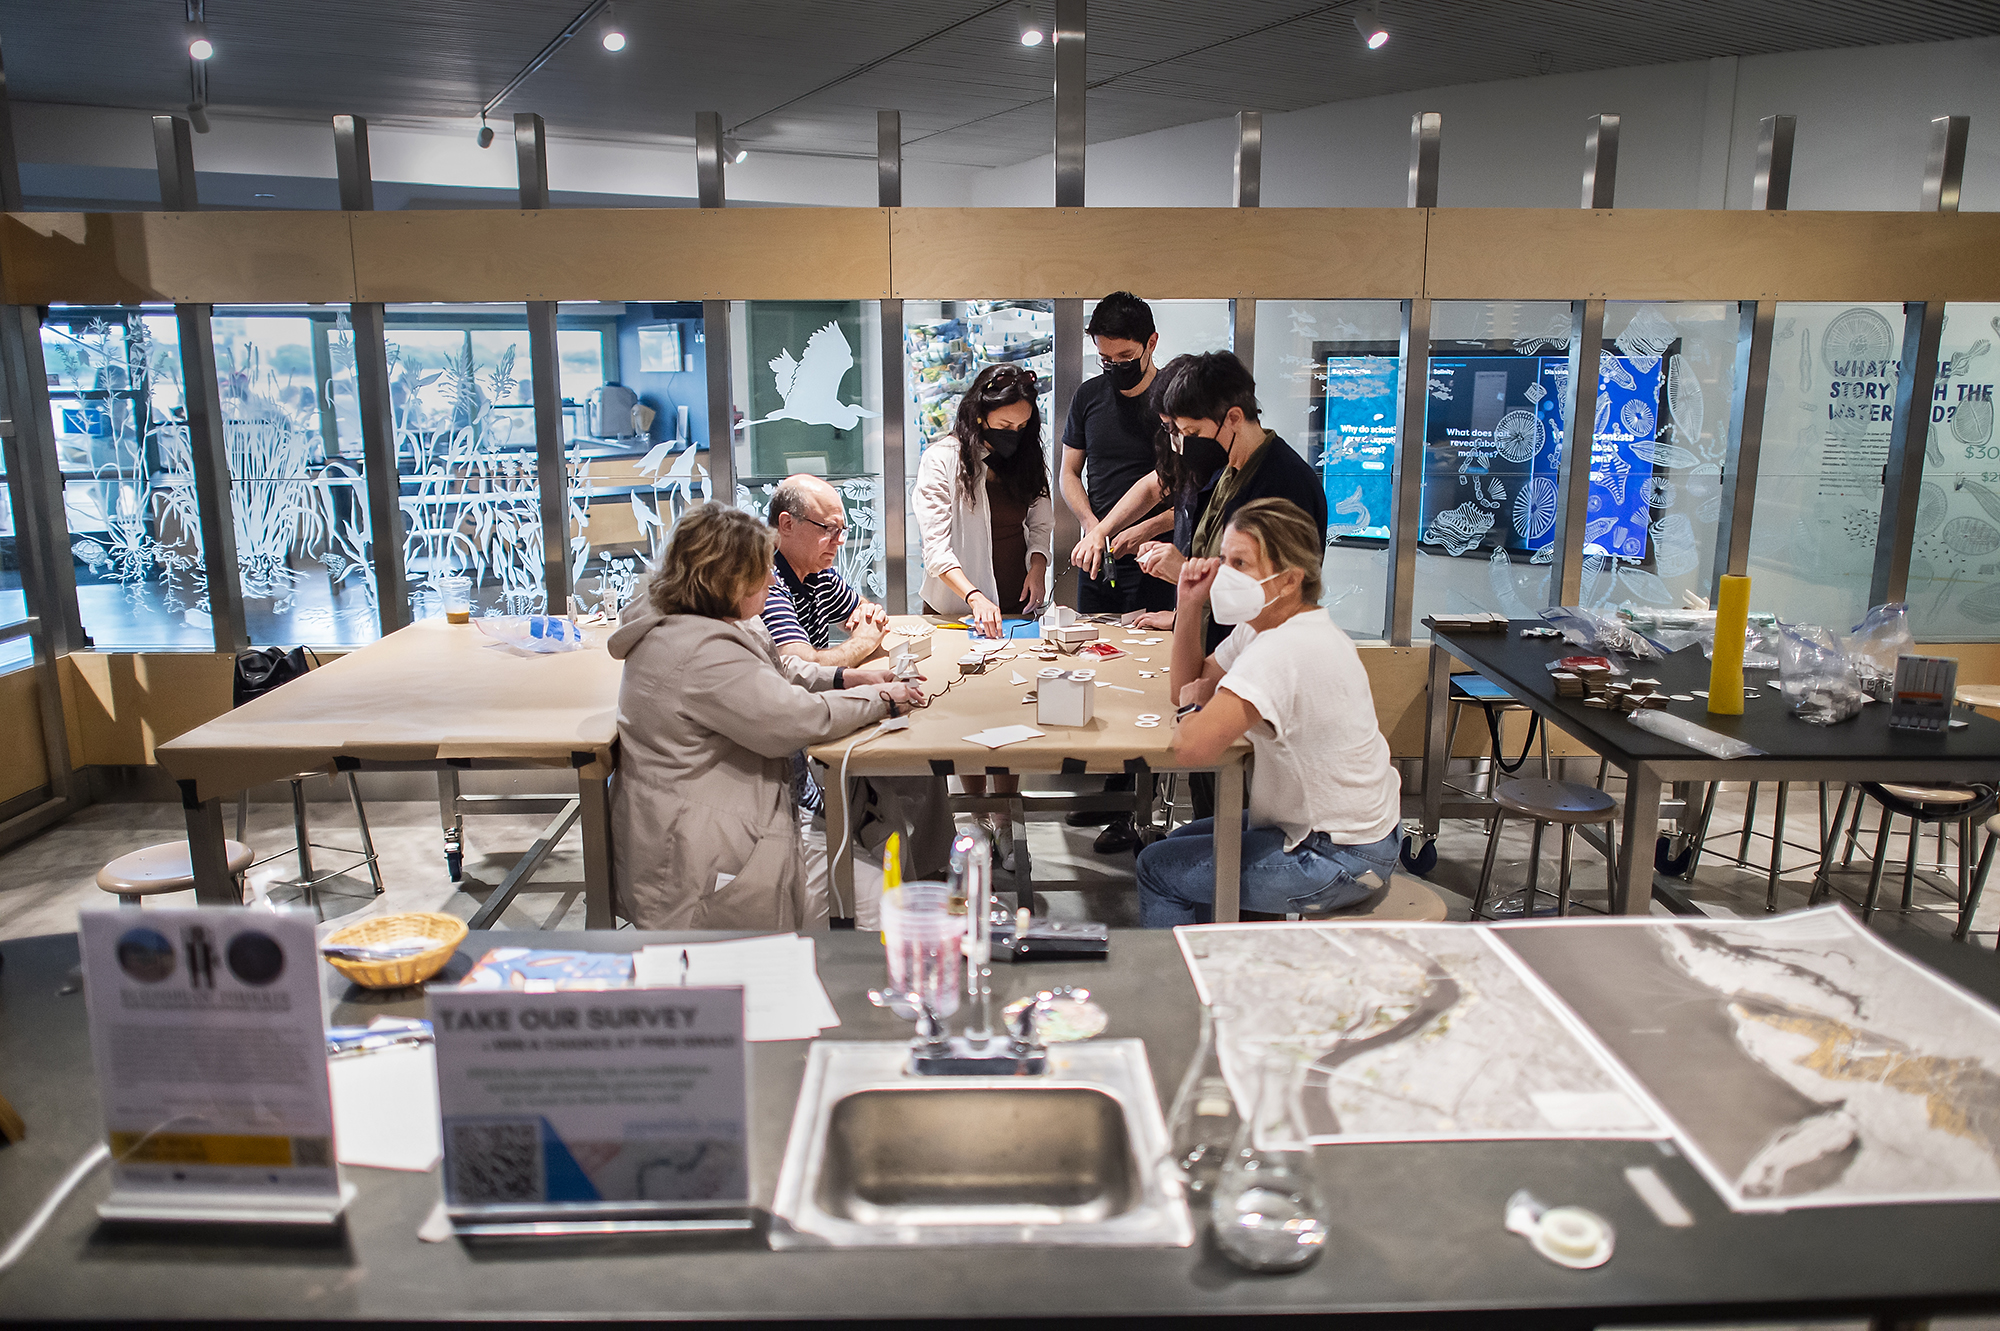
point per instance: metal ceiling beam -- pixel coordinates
(1249, 179)
(173, 152)
(895, 515)
(1071, 32)
(1771, 185)
(543, 56)
(1944, 171)
(1426, 137)
(1414, 352)
(1600, 161)
(709, 179)
(531, 164)
(531, 161)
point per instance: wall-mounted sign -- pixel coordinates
(210, 1045)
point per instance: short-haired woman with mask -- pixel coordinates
(982, 505)
(1320, 834)
(704, 829)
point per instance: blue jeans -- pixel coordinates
(1177, 875)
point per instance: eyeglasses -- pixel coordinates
(838, 531)
(1007, 376)
(1106, 362)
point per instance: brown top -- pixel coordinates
(430, 691)
(1010, 544)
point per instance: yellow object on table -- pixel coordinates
(1725, 671)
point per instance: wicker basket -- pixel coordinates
(446, 931)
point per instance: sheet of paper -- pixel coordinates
(1000, 735)
(385, 1108)
(782, 996)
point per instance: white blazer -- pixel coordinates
(957, 533)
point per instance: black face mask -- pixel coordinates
(1126, 374)
(1003, 442)
(1203, 456)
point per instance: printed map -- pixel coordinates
(1410, 1033)
(1804, 1061)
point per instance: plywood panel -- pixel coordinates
(1676, 254)
(24, 764)
(129, 702)
(623, 254)
(1165, 253)
(204, 258)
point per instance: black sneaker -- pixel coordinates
(1087, 818)
(1120, 835)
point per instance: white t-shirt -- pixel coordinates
(1322, 764)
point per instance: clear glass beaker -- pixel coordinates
(1202, 1125)
(1266, 1208)
(922, 936)
(455, 594)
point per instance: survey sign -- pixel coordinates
(612, 1102)
(207, 1032)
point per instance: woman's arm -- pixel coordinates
(1200, 738)
(1136, 503)
(1192, 677)
(731, 689)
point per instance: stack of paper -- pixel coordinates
(996, 736)
(782, 996)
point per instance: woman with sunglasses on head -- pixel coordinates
(983, 508)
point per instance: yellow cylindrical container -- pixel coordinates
(1725, 671)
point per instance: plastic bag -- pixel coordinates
(1606, 633)
(1882, 635)
(533, 633)
(1818, 679)
(1683, 731)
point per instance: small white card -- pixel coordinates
(1001, 735)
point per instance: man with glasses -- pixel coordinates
(1107, 448)
(808, 596)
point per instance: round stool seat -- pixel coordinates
(1979, 695)
(1945, 795)
(1555, 801)
(166, 867)
(1993, 825)
(1405, 898)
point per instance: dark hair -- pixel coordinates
(1121, 315)
(1025, 476)
(1172, 468)
(1208, 386)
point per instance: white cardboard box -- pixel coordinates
(1072, 635)
(1067, 698)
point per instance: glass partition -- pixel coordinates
(1827, 422)
(1497, 383)
(1329, 383)
(128, 478)
(808, 385)
(946, 343)
(13, 598)
(1954, 591)
(1186, 328)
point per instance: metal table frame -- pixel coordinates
(1647, 776)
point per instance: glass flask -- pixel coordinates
(1202, 1125)
(1266, 1206)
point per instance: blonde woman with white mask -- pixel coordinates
(1320, 833)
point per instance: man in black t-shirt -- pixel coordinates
(1107, 446)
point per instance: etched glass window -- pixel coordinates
(945, 344)
(15, 652)
(1329, 382)
(1954, 591)
(1827, 422)
(114, 383)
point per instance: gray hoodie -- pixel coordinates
(704, 832)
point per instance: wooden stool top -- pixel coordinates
(162, 868)
(1555, 801)
(1405, 898)
(1946, 795)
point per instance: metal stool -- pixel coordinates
(1565, 802)
(166, 867)
(309, 881)
(1971, 905)
(1921, 805)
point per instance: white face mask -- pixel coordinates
(1236, 596)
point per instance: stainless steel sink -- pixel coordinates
(1078, 1156)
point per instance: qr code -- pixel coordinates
(494, 1162)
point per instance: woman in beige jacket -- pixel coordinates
(704, 831)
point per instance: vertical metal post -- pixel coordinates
(1071, 28)
(1586, 345)
(1944, 172)
(208, 443)
(531, 163)
(1249, 180)
(1600, 161)
(371, 389)
(1406, 483)
(708, 165)
(1770, 191)
(1072, 18)
(1916, 382)
(895, 494)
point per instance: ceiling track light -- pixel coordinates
(1368, 22)
(1031, 31)
(610, 34)
(198, 45)
(733, 150)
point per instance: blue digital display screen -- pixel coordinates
(1358, 441)
(1493, 448)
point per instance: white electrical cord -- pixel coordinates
(847, 823)
(96, 1156)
